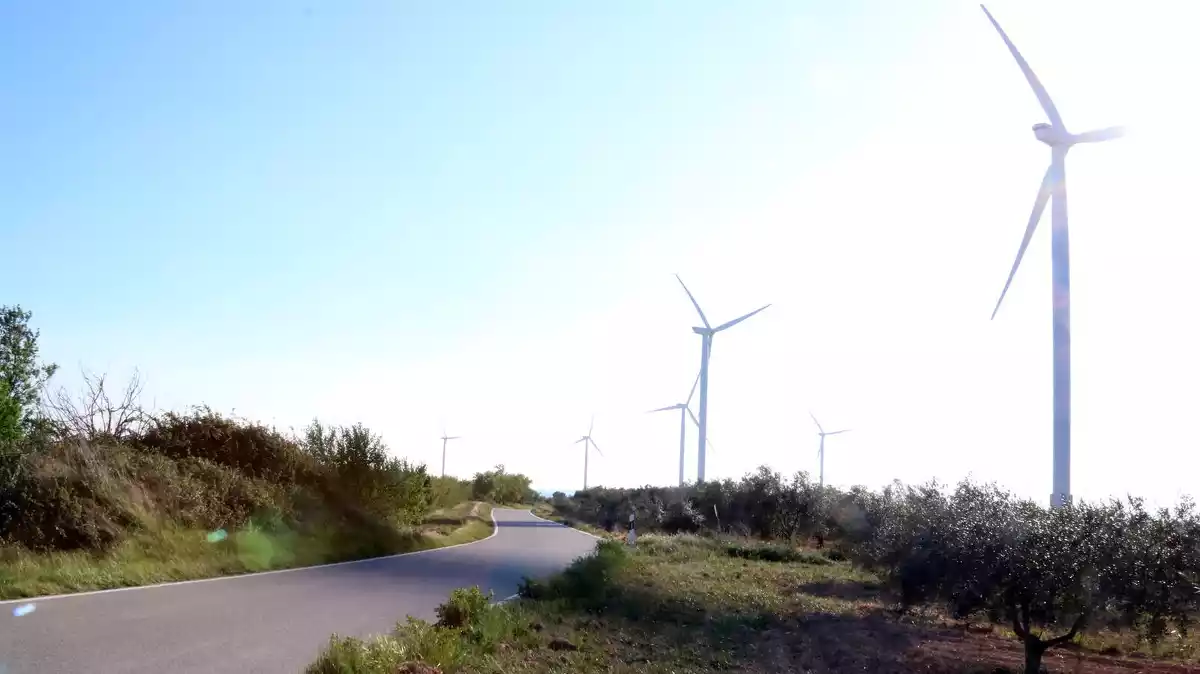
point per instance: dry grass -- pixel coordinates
(689, 604)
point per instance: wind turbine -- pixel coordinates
(445, 439)
(821, 451)
(1054, 185)
(685, 411)
(587, 440)
(706, 333)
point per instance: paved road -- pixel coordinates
(271, 623)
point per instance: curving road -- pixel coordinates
(274, 622)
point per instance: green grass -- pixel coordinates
(690, 604)
(170, 553)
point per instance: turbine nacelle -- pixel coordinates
(1060, 137)
(1048, 134)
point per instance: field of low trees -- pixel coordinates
(973, 552)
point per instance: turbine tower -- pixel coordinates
(685, 411)
(821, 450)
(1054, 187)
(445, 439)
(588, 441)
(706, 333)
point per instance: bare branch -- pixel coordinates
(94, 414)
(1075, 627)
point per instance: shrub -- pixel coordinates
(587, 583)
(446, 492)
(464, 608)
(249, 448)
(387, 487)
(498, 486)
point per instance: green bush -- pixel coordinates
(387, 487)
(446, 492)
(498, 486)
(465, 608)
(469, 629)
(588, 582)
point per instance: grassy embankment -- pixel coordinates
(171, 552)
(692, 604)
(200, 495)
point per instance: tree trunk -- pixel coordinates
(1034, 649)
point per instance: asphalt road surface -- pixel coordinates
(274, 622)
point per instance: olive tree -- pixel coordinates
(1050, 574)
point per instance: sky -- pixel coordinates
(468, 216)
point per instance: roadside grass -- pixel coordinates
(170, 552)
(692, 604)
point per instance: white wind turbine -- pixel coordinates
(821, 450)
(446, 439)
(706, 333)
(587, 440)
(1054, 186)
(685, 411)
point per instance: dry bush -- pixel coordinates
(65, 497)
(250, 448)
(95, 416)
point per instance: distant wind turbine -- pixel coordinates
(1054, 184)
(685, 411)
(821, 450)
(706, 333)
(587, 440)
(445, 439)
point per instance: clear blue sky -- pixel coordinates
(394, 168)
(412, 214)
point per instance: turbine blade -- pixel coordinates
(1038, 89)
(454, 437)
(735, 321)
(581, 440)
(814, 418)
(1100, 135)
(694, 302)
(595, 447)
(844, 430)
(1039, 205)
(664, 409)
(689, 398)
